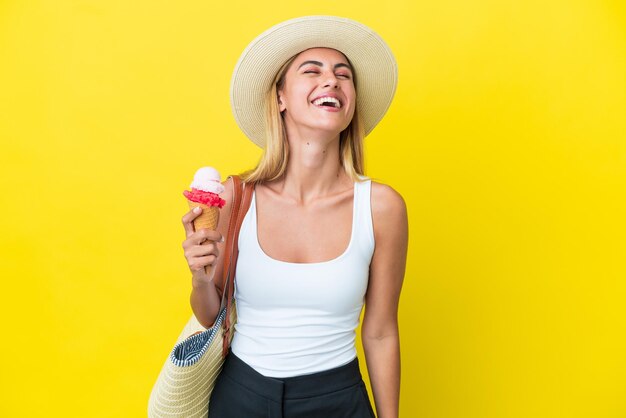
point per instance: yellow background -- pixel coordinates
(506, 138)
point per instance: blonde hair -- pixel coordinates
(273, 162)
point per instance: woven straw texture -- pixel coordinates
(186, 381)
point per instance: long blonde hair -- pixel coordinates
(273, 162)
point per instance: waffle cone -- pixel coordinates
(208, 219)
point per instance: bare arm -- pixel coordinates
(380, 335)
(202, 248)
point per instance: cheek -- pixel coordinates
(301, 92)
(351, 91)
(352, 97)
(296, 96)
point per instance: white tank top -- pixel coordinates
(300, 318)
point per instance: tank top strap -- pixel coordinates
(364, 233)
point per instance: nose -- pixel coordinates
(331, 81)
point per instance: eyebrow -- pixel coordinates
(319, 64)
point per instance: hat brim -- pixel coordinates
(375, 67)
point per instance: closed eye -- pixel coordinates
(345, 76)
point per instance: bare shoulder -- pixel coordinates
(387, 202)
(227, 195)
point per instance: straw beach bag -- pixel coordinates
(185, 383)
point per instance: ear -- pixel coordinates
(281, 102)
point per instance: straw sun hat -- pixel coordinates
(375, 67)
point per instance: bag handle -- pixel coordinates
(242, 196)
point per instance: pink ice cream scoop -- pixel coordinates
(206, 188)
(205, 191)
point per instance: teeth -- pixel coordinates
(321, 100)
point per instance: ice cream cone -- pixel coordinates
(204, 193)
(209, 217)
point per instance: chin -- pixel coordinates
(333, 126)
(332, 131)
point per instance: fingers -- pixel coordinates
(199, 237)
(203, 249)
(208, 234)
(188, 220)
(199, 250)
(200, 263)
(200, 256)
(200, 247)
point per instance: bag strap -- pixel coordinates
(242, 196)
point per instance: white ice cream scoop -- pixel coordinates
(207, 179)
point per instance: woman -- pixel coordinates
(319, 239)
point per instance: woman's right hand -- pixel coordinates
(200, 249)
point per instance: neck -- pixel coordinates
(313, 169)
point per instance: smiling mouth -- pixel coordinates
(327, 102)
